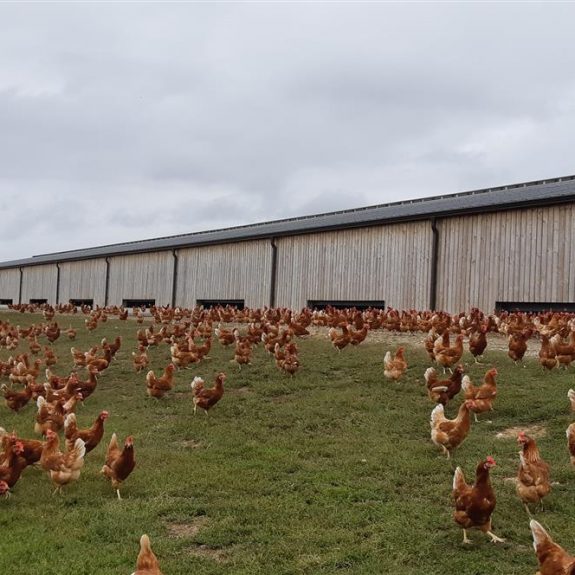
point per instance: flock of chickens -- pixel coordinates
(475, 503)
(189, 333)
(56, 401)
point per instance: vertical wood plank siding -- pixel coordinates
(142, 276)
(39, 282)
(520, 255)
(232, 271)
(83, 280)
(390, 262)
(10, 284)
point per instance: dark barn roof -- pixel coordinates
(529, 194)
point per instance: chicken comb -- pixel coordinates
(521, 435)
(490, 460)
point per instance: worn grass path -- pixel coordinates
(332, 471)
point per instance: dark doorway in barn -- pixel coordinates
(534, 307)
(143, 303)
(345, 304)
(209, 303)
(81, 302)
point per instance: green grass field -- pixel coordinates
(332, 471)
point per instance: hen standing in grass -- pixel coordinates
(207, 398)
(14, 463)
(119, 463)
(450, 433)
(63, 467)
(475, 503)
(517, 345)
(442, 391)
(147, 563)
(484, 395)
(478, 343)
(533, 474)
(91, 436)
(448, 356)
(547, 355)
(394, 367)
(158, 386)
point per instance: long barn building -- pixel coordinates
(506, 247)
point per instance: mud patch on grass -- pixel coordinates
(534, 431)
(189, 529)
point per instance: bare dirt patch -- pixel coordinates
(535, 431)
(217, 555)
(191, 444)
(495, 341)
(188, 530)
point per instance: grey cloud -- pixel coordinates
(144, 120)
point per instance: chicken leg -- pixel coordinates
(494, 538)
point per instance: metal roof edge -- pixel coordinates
(413, 210)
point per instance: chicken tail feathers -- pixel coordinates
(113, 443)
(387, 358)
(70, 421)
(79, 449)
(437, 415)
(429, 373)
(197, 384)
(459, 482)
(540, 536)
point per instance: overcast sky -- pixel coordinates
(130, 121)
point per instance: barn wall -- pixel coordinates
(141, 276)
(83, 280)
(389, 262)
(39, 282)
(517, 256)
(10, 284)
(239, 270)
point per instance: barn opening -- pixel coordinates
(534, 307)
(345, 304)
(38, 300)
(81, 302)
(147, 303)
(6, 301)
(210, 303)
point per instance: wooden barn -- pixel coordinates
(506, 247)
